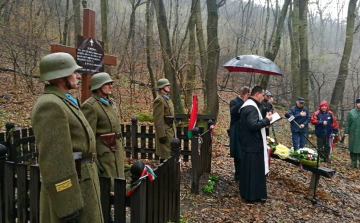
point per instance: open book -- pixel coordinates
(275, 117)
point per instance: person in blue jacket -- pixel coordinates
(325, 125)
(302, 117)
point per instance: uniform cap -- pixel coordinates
(301, 100)
(57, 65)
(99, 79)
(162, 83)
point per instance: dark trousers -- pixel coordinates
(324, 147)
(237, 165)
(295, 138)
(355, 157)
(267, 130)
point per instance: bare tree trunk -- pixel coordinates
(276, 17)
(266, 25)
(176, 25)
(6, 9)
(131, 34)
(104, 30)
(213, 51)
(104, 25)
(66, 23)
(57, 3)
(295, 52)
(272, 52)
(191, 69)
(304, 55)
(149, 25)
(77, 20)
(339, 88)
(201, 43)
(167, 54)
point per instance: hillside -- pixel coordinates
(286, 184)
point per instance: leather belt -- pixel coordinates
(82, 160)
(88, 159)
(118, 135)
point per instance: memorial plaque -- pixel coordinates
(90, 55)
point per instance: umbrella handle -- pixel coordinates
(250, 80)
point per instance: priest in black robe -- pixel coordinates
(254, 151)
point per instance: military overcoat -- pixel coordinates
(163, 106)
(104, 117)
(60, 129)
(352, 127)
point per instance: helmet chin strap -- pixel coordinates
(67, 82)
(165, 90)
(103, 92)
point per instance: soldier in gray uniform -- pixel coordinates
(68, 194)
(163, 113)
(102, 113)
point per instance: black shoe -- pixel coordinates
(261, 200)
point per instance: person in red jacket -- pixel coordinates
(326, 127)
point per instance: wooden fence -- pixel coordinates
(139, 141)
(151, 201)
(20, 177)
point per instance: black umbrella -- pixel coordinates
(252, 64)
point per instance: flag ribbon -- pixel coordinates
(212, 130)
(193, 116)
(147, 172)
(331, 142)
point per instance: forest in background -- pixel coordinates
(314, 43)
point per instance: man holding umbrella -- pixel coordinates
(235, 106)
(266, 107)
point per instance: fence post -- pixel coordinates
(195, 161)
(134, 142)
(35, 186)
(175, 152)
(138, 197)
(9, 134)
(3, 151)
(209, 123)
(208, 166)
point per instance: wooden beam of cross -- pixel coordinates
(88, 31)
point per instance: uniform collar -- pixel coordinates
(50, 89)
(166, 96)
(103, 100)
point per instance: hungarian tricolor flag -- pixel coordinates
(193, 116)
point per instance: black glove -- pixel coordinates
(100, 169)
(162, 140)
(71, 218)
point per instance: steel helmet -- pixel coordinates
(57, 65)
(99, 79)
(162, 83)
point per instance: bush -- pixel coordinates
(213, 178)
(142, 117)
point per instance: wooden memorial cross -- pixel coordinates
(88, 31)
